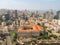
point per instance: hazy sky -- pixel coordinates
(30, 4)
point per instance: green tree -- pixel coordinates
(54, 36)
(14, 34)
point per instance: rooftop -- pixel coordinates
(30, 28)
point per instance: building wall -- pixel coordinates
(28, 34)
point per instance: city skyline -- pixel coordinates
(30, 4)
(29, 22)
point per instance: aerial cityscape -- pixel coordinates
(24, 22)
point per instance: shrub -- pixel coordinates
(49, 31)
(54, 36)
(43, 36)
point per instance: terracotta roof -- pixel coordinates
(36, 28)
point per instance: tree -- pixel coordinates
(54, 36)
(14, 34)
(49, 31)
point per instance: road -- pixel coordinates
(8, 40)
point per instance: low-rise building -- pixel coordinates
(30, 29)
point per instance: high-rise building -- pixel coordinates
(48, 15)
(58, 14)
(16, 16)
(7, 16)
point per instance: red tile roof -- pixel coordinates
(36, 28)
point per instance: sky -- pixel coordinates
(30, 4)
